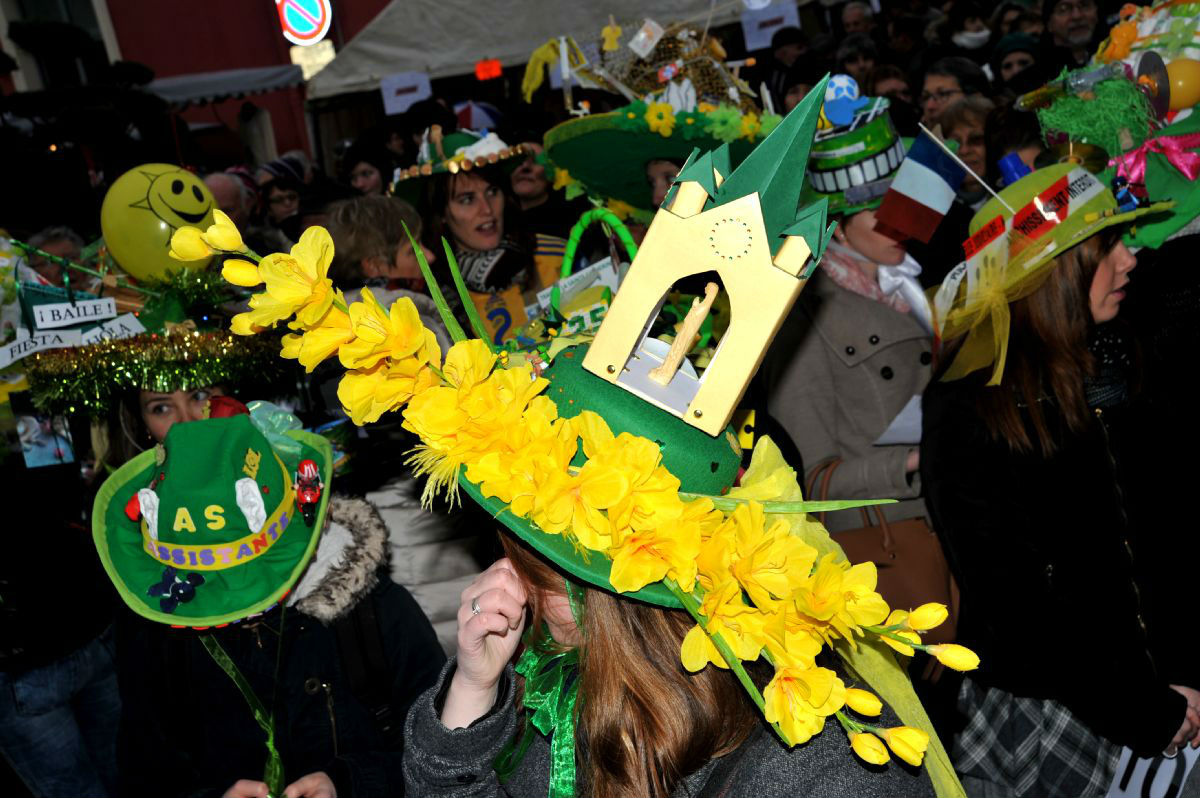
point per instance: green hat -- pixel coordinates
(205, 530)
(460, 151)
(1013, 238)
(853, 165)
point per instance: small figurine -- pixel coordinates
(308, 487)
(1126, 199)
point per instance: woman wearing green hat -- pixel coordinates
(1039, 461)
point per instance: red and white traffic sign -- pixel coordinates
(304, 22)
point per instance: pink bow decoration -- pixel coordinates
(1132, 164)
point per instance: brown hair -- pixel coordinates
(1048, 355)
(368, 227)
(971, 109)
(644, 723)
(438, 191)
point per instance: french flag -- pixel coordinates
(921, 192)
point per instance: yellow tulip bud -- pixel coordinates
(863, 702)
(907, 743)
(187, 244)
(223, 235)
(927, 616)
(906, 650)
(241, 272)
(952, 655)
(869, 748)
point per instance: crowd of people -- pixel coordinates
(1019, 420)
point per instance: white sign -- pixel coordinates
(66, 314)
(16, 350)
(1159, 777)
(599, 273)
(646, 38)
(759, 25)
(125, 326)
(403, 89)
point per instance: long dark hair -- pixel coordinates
(438, 191)
(644, 722)
(1048, 357)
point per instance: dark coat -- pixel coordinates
(187, 731)
(445, 763)
(1059, 560)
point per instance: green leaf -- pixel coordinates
(464, 296)
(452, 326)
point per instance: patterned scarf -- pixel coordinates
(839, 263)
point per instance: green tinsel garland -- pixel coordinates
(1117, 105)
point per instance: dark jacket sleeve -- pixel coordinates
(456, 763)
(415, 659)
(1047, 599)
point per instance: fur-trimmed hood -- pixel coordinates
(345, 567)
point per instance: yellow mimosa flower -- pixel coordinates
(927, 616)
(223, 234)
(395, 334)
(863, 702)
(296, 283)
(907, 743)
(241, 272)
(187, 243)
(869, 748)
(799, 700)
(952, 655)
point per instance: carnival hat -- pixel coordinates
(1014, 236)
(206, 530)
(856, 153)
(451, 153)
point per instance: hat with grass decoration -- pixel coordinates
(615, 461)
(1014, 240)
(681, 94)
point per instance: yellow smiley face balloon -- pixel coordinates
(141, 211)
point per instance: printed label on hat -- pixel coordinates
(986, 235)
(1052, 207)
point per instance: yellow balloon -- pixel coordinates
(141, 211)
(1184, 75)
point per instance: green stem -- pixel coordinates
(730, 503)
(464, 296)
(849, 724)
(886, 631)
(452, 326)
(78, 267)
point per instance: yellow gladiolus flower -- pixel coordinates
(295, 284)
(241, 272)
(223, 234)
(907, 743)
(726, 614)
(952, 655)
(572, 503)
(869, 748)
(369, 393)
(187, 243)
(468, 363)
(896, 617)
(649, 556)
(842, 596)
(927, 616)
(906, 650)
(661, 118)
(332, 332)
(395, 334)
(769, 563)
(863, 702)
(799, 700)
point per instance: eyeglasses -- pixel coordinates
(1068, 9)
(940, 96)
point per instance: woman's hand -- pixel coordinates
(1189, 731)
(247, 788)
(314, 785)
(490, 621)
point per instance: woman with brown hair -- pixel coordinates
(1038, 462)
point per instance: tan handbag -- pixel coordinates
(907, 554)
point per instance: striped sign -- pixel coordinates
(304, 22)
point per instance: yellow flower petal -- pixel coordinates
(468, 363)
(907, 743)
(223, 234)
(187, 244)
(241, 272)
(863, 702)
(927, 616)
(952, 655)
(901, 647)
(869, 748)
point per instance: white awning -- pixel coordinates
(447, 37)
(207, 87)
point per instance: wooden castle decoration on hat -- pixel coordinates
(745, 225)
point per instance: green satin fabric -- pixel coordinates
(551, 694)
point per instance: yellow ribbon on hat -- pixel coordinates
(986, 317)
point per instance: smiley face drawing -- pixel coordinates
(141, 211)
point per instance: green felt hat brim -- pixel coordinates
(132, 571)
(611, 162)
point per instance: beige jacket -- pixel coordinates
(839, 371)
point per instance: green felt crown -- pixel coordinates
(702, 463)
(217, 513)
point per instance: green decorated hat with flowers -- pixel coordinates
(207, 528)
(460, 151)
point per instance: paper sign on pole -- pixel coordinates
(759, 25)
(67, 314)
(403, 89)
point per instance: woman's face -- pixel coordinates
(861, 236)
(893, 89)
(1014, 63)
(475, 213)
(282, 203)
(556, 609)
(660, 175)
(1009, 20)
(972, 147)
(366, 179)
(794, 95)
(938, 92)
(161, 410)
(1108, 284)
(859, 66)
